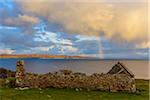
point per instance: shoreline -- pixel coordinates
(37, 56)
(48, 56)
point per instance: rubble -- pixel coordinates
(68, 79)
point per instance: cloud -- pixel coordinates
(41, 48)
(68, 49)
(87, 40)
(143, 45)
(21, 43)
(63, 50)
(130, 24)
(142, 53)
(6, 51)
(118, 22)
(76, 27)
(81, 38)
(10, 37)
(88, 47)
(25, 22)
(126, 53)
(22, 20)
(28, 19)
(51, 36)
(123, 50)
(7, 27)
(78, 18)
(46, 42)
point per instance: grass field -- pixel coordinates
(70, 94)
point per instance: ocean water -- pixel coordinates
(139, 67)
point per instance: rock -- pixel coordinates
(49, 96)
(16, 88)
(113, 90)
(80, 89)
(41, 92)
(25, 88)
(138, 92)
(77, 89)
(133, 88)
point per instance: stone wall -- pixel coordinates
(69, 79)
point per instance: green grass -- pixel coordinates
(70, 94)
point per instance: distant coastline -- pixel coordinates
(41, 56)
(48, 56)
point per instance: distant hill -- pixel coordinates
(40, 56)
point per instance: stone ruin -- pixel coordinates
(119, 78)
(20, 73)
(120, 68)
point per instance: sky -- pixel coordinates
(107, 29)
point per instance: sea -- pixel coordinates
(140, 68)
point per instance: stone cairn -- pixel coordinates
(20, 73)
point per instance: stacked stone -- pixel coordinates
(20, 73)
(68, 79)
